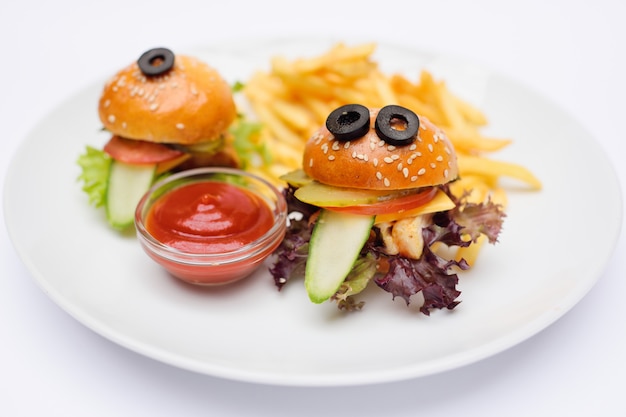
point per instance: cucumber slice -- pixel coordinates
(126, 185)
(335, 244)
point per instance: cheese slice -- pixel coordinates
(441, 202)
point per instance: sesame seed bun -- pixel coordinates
(189, 104)
(370, 163)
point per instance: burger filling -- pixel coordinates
(404, 257)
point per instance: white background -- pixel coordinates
(572, 52)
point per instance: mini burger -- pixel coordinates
(372, 203)
(164, 112)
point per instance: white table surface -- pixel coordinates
(572, 52)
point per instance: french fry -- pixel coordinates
(292, 114)
(418, 106)
(320, 108)
(338, 53)
(401, 84)
(477, 187)
(471, 114)
(276, 126)
(384, 90)
(311, 85)
(498, 196)
(470, 253)
(450, 112)
(469, 140)
(469, 164)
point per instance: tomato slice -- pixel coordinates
(139, 152)
(395, 205)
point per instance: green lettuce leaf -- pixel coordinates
(362, 273)
(95, 166)
(250, 149)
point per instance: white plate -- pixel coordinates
(250, 331)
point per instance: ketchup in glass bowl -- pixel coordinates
(211, 226)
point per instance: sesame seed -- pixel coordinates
(445, 173)
(432, 165)
(381, 143)
(375, 162)
(335, 146)
(325, 148)
(310, 162)
(413, 147)
(111, 118)
(447, 150)
(354, 154)
(386, 182)
(107, 103)
(379, 175)
(409, 161)
(395, 157)
(436, 137)
(154, 106)
(331, 157)
(366, 158)
(439, 158)
(391, 148)
(405, 172)
(180, 126)
(430, 147)
(387, 159)
(414, 178)
(124, 125)
(421, 171)
(372, 145)
(360, 156)
(399, 166)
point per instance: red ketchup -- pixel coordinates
(211, 232)
(208, 217)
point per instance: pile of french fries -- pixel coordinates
(294, 98)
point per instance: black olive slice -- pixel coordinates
(156, 61)
(349, 122)
(397, 125)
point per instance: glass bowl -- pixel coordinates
(198, 265)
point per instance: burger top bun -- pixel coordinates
(188, 104)
(368, 162)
